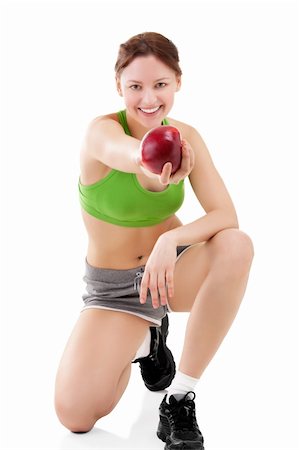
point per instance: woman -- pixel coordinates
(142, 262)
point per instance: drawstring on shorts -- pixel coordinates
(137, 280)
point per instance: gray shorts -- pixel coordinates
(118, 290)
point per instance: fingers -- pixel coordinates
(149, 281)
(184, 170)
(154, 290)
(166, 173)
(165, 177)
(144, 287)
(186, 164)
(170, 283)
(161, 287)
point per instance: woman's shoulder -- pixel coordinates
(104, 117)
(103, 126)
(191, 134)
(187, 130)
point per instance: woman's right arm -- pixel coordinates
(105, 141)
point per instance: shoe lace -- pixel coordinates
(182, 415)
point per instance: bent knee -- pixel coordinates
(233, 247)
(79, 417)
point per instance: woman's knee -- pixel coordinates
(233, 249)
(78, 416)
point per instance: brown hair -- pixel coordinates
(148, 43)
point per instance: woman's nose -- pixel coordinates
(149, 98)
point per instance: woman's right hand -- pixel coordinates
(185, 168)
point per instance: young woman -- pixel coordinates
(142, 262)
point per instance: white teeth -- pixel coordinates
(148, 111)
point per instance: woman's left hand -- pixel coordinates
(158, 274)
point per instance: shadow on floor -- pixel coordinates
(142, 434)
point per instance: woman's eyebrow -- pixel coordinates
(140, 82)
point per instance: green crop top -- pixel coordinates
(119, 198)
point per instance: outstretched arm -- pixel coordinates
(106, 141)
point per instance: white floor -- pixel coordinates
(243, 402)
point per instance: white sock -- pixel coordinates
(180, 385)
(144, 349)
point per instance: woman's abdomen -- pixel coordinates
(114, 247)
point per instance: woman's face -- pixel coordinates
(148, 87)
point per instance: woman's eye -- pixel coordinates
(161, 85)
(135, 87)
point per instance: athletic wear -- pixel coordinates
(180, 385)
(118, 198)
(158, 369)
(178, 426)
(118, 290)
(145, 347)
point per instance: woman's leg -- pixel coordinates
(210, 281)
(96, 365)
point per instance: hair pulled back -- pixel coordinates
(144, 44)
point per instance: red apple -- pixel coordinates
(159, 146)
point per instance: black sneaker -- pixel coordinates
(178, 426)
(158, 368)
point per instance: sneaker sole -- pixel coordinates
(180, 445)
(163, 434)
(187, 445)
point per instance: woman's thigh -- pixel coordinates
(230, 252)
(190, 271)
(96, 359)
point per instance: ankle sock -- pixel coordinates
(180, 385)
(145, 348)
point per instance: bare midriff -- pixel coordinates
(115, 247)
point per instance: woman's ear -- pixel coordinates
(118, 86)
(179, 83)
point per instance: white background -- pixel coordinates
(240, 90)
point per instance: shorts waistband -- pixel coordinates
(110, 275)
(121, 275)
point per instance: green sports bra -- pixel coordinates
(119, 198)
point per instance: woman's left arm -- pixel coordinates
(211, 193)
(220, 214)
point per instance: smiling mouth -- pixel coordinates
(150, 111)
